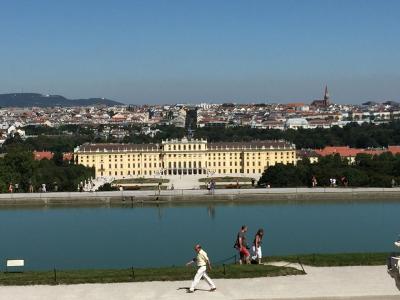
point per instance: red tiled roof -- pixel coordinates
(394, 149)
(67, 156)
(39, 155)
(346, 151)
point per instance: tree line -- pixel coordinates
(67, 137)
(19, 169)
(367, 171)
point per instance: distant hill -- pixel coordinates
(33, 99)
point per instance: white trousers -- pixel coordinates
(201, 272)
(257, 254)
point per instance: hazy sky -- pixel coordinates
(191, 51)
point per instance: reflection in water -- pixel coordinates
(211, 211)
(160, 212)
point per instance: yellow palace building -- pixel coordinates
(185, 157)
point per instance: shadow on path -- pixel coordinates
(394, 273)
(187, 289)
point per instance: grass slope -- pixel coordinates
(137, 275)
(330, 260)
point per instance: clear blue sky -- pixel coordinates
(191, 51)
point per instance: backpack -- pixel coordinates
(236, 244)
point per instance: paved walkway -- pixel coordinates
(273, 194)
(367, 282)
(184, 182)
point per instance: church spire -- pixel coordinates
(326, 96)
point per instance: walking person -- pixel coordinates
(241, 246)
(213, 186)
(201, 261)
(256, 249)
(30, 187)
(159, 188)
(314, 181)
(10, 188)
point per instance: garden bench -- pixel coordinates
(16, 265)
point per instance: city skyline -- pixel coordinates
(189, 52)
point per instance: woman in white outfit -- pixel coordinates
(256, 249)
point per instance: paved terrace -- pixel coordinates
(274, 194)
(369, 282)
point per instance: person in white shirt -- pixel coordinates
(201, 261)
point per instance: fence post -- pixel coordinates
(301, 265)
(55, 275)
(224, 269)
(133, 273)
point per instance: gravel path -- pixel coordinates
(364, 282)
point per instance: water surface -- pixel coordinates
(164, 235)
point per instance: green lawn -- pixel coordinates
(330, 260)
(227, 179)
(155, 274)
(140, 180)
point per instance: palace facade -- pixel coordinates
(184, 157)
